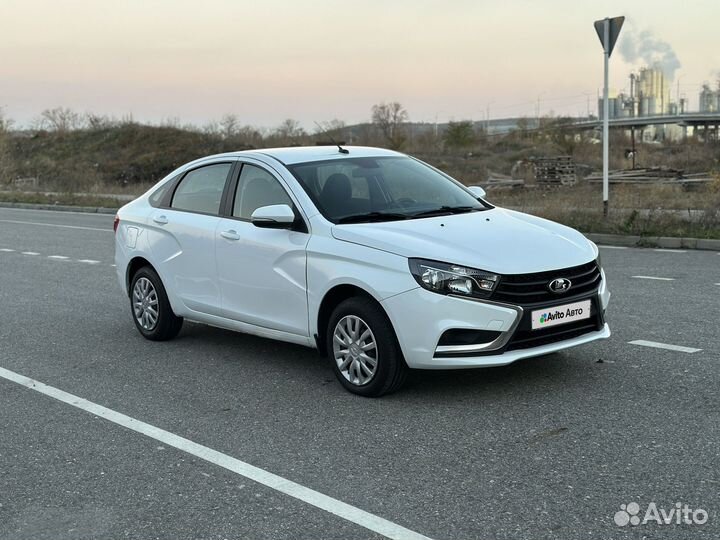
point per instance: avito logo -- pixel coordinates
(545, 317)
(679, 514)
(564, 314)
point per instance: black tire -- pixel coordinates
(167, 324)
(391, 369)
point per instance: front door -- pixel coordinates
(262, 271)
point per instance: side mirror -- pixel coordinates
(477, 191)
(275, 216)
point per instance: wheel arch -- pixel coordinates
(135, 264)
(330, 301)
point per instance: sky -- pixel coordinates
(317, 60)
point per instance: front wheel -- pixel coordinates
(151, 310)
(363, 349)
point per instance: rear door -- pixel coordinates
(262, 271)
(182, 236)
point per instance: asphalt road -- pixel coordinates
(545, 448)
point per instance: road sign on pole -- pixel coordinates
(608, 31)
(615, 24)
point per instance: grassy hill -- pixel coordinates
(127, 158)
(115, 157)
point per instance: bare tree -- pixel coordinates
(6, 165)
(171, 122)
(229, 125)
(98, 121)
(290, 129)
(250, 137)
(5, 122)
(330, 126)
(211, 128)
(127, 120)
(331, 130)
(60, 119)
(389, 118)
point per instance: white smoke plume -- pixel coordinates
(645, 47)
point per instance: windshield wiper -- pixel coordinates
(372, 216)
(445, 210)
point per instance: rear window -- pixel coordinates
(201, 189)
(157, 197)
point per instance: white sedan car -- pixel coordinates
(378, 260)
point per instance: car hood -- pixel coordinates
(497, 240)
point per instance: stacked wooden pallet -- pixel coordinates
(499, 180)
(655, 175)
(558, 170)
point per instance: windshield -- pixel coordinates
(380, 189)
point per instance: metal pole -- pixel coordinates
(606, 153)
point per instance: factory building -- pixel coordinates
(649, 96)
(709, 99)
(650, 92)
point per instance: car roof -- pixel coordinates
(304, 154)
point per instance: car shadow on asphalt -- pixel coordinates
(541, 373)
(529, 371)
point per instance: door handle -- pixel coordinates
(230, 235)
(162, 220)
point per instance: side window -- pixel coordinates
(201, 189)
(257, 188)
(159, 194)
(156, 197)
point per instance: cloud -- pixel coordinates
(647, 48)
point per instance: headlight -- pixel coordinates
(446, 278)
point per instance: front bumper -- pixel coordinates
(421, 317)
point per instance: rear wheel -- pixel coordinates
(151, 311)
(363, 349)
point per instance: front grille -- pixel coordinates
(524, 289)
(525, 337)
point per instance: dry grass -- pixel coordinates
(630, 196)
(87, 167)
(60, 199)
(645, 210)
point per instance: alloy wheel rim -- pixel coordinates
(145, 304)
(355, 350)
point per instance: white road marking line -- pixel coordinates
(114, 265)
(653, 277)
(58, 257)
(55, 225)
(612, 247)
(30, 253)
(7, 250)
(88, 261)
(278, 483)
(667, 346)
(670, 250)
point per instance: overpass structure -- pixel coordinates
(707, 123)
